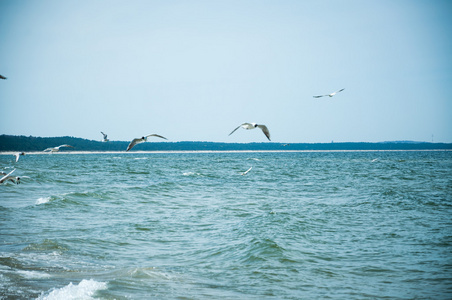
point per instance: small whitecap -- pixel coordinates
(191, 174)
(84, 290)
(43, 200)
(33, 274)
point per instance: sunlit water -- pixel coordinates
(301, 225)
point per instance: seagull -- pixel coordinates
(56, 149)
(2, 77)
(8, 176)
(18, 154)
(105, 137)
(246, 172)
(252, 126)
(329, 95)
(142, 140)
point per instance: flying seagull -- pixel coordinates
(105, 137)
(249, 126)
(56, 149)
(7, 177)
(329, 95)
(2, 77)
(246, 172)
(142, 140)
(18, 154)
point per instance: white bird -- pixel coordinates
(56, 149)
(105, 137)
(7, 177)
(246, 172)
(142, 140)
(249, 126)
(329, 95)
(18, 154)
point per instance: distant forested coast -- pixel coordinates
(30, 143)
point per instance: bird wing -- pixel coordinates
(156, 136)
(265, 131)
(246, 172)
(48, 149)
(319, 96)
(134, 142)
(105, 136)
(235, 129)
(332, 94)
(2, 77)
(241, 125)
(17, 156)
(64, 146)
(6, 176)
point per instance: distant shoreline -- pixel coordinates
(216, 151)
(10, 143)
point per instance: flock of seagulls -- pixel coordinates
(136, 141)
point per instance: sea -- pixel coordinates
(189, 225)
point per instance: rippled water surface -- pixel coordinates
(299, 225)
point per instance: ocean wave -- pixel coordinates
(33, 274)
(84, 290)
(43, 200)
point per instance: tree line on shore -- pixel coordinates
(30, 143)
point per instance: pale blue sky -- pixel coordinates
(195, 70)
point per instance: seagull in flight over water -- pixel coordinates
(56, 149)
(142, 140)
(105, 137)
(246, 172)
(9, 177)
(18, 154)
(249, 126)
(329, 95)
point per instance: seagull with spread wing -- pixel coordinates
(18, 154)
(105, 137)
(56, 149)
(329, 95)
(249, 126)
(142, 140)
(246, 172)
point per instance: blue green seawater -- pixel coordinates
(299, 225)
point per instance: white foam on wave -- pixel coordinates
(191, 174)
(84, 290)
(42, 200)
(33, 274)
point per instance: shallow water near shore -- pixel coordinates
(299, 225)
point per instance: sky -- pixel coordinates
(195, 70)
